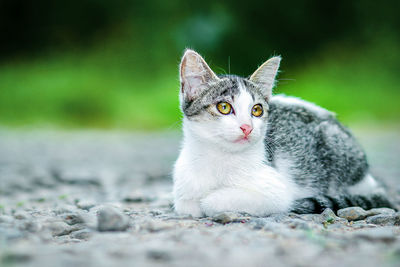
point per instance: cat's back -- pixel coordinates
(282, 105)
(308, 142)
(293, 120)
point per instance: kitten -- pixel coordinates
(245, 150)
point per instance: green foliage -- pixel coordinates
(70, 91)
(359, 85)
(103, 89)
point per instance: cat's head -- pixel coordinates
(227, 111)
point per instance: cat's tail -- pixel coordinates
(320, 203)
(368, 193)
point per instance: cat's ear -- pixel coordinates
(265, 75)
(195, 74)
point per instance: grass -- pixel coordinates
(359, 85)
(80, 93)
(105, 88)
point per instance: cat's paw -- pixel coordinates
(214, 204)
(188, 207)
(243, 201)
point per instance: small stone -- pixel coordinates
(258, 223)
(65, 209)
(21, 215)
(85, 205)
(361, 224)
(30, 226)
(59, 228)
(138, 198)
(377, 211)
(385, 219)
(111, 219)
(316, 218)
(73, 218)
(328, 216)
(82, 234)
(155, 212)
(352, 213)
(158, 255)
(376, 234)
(228, 217)
(328, 213)
(298, 224)
(157, 225)
(77, 177)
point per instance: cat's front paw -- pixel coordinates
(188, 207)
(214, 204)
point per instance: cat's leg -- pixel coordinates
(247, 201)
(188, 207)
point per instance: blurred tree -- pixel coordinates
(253, 29)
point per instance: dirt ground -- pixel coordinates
(90, 198)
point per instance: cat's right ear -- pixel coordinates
(195, 74)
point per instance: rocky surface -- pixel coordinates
(103, 199)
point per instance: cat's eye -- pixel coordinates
(224, 108)
(257, 110)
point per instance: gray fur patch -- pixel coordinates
(324, 153)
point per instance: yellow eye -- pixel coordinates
(257, 110)
(224, 108)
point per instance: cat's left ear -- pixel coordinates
(265, 75)
(195, 74)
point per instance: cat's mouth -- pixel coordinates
(242, 140)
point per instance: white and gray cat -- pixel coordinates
(245, 150)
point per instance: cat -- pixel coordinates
(247, 151)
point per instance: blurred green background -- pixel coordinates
(114, 64)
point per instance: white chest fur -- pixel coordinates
(208, 180)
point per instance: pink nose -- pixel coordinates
(246, 129)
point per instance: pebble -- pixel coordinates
(228, 217)
(352, 213)
(21, 215)
(385, 219)
(65, 209)
(362, 224)
(59, 228)
(157, 225)
(30, 226)
(83, 234)
(329, 217)
(373, 212)
(138, 198)
(158, 255)
(85, 205)
(77, 177)
(258, 223)
(299, 224)
(384, 234)
(73, 218)
(111, 219)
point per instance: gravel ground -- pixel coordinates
(103, 199)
